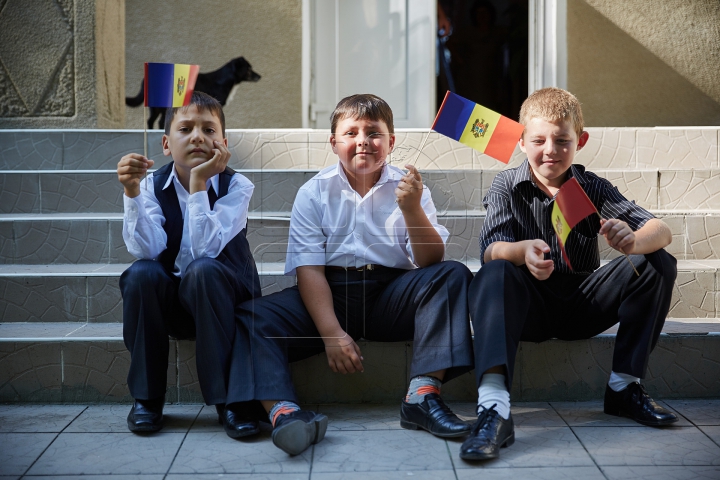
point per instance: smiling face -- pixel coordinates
(191, 136)
(550, 148)
(362, 146)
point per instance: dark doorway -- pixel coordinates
(483, 52)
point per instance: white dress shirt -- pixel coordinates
(332, 224)
(206, 232)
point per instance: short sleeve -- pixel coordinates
(615, 205)
(306, 240)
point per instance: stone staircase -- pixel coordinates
(62, 253)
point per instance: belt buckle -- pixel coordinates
(369, 266)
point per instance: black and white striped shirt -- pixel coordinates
(518, 210)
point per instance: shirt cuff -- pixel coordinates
(134, 207)
(198, 203)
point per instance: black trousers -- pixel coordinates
(426, 305)
(509, 305)
(201, 305)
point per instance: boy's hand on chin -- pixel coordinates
(130, 170)
(409, 190)
(618, 235)
(535, 259)
(200, 174)
(343, 354)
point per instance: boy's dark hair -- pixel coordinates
(203, 102)
(362, 105)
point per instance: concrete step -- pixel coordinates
(608, 148)
(97, 237)
(70, 363)
(90, 293)
(98, 191)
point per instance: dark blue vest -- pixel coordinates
(236, 253)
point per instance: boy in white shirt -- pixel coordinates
(186, 224)
(358, 233)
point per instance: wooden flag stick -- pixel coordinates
(630, 262)
(421, 147)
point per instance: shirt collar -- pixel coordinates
(523, 174)
(214, 181)
(340, 172)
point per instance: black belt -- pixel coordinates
(369, 266)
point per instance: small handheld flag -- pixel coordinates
(169, 84)
(571, 205)
(478, 127)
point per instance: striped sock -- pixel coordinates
(282, 408)
(420, 386)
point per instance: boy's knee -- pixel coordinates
(664, 264)
(141, 273)
(495, 270)
(203, 268)
(455, 272)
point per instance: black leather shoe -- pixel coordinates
(146, 415)
(635, 403)
(236, 421)
(294, 432)
(490, 433)
(434, 416)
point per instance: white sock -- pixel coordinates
(492, 391)
(619, 381)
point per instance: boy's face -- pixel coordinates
(550, 148)
(362, 145)
(190, 141)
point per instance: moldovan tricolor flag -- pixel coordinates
(478, 127)
(169, 84)
(571, 205)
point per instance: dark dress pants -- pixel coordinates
(509, 305)
(201, 305)
(426, 305)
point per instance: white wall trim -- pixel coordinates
(547, 44)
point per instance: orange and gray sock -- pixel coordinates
(282, 408)
(420, 386)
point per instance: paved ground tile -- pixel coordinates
(108, 453)
(97, 477)
(20, 450)
(648, 446)
(37, 418)
(207, 421)
(700, 411)
(409, 475)
(535, 447)
(585, 473)
(712, 431)
(113, 418)
(381, 450)
(237, 476)
(362, 417)
(215, 452)
(588, 414)
(662, 473)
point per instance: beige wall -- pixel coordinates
(268, 33)
(645, 62)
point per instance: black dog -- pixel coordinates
(217, 84)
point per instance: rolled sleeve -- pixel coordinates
(306, 240)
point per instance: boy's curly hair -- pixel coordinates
(202, 102)
(553, 104)
(361, 106)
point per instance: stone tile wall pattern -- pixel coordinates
(30, 151)
(19, 193)
(689, 189)
(30, 372)
(608, 148)
(81, 193)
(48, 299)
(677, 148)
(60, 241)
(105, 301)
(694, 295)
(95, 372)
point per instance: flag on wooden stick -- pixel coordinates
(571, 205)
(169, 84)
(478, 127)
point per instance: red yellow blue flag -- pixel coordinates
(478, 127)
(169, 84)
(571, 205)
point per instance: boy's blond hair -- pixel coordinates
(363, 106)
(553, 104)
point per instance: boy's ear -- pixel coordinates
(333, 143)
(521, 143)
(225, 142)
(392, 141)
(166, 146)
(583, 139)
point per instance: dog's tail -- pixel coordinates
(138, 99)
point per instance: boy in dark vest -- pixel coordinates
(186, 224)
